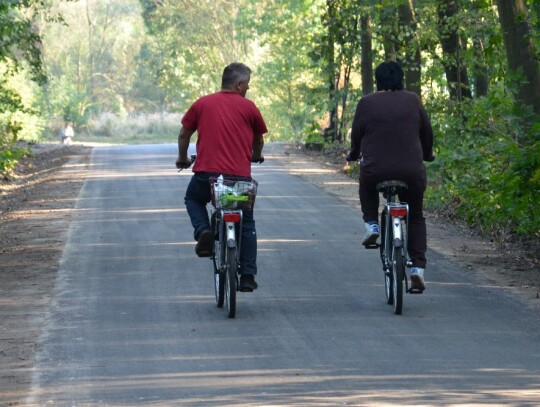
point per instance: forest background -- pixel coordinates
(125, 71)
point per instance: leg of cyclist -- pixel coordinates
(369, 202)
(248, 253)
(197, 196)
(417, 240)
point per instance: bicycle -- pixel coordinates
(393, 246)
(230, 197)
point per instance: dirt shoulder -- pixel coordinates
(37, 204)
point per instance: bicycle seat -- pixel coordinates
(391, 185)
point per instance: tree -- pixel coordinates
(287, 83)
(513, 16)
(411, 59)
(366, 53)
(193, 40)
(339, 54)
(398, 33)
(456, 72)
(20, 59)
(93, 71)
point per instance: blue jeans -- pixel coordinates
(197, 196)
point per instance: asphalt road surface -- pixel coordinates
(134, 320)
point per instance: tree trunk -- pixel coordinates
(388, 31)
(366, 69)
(456, 73)
(520, 51)
(90, 63)
(481, 79)
(412, 58)
(331, 131)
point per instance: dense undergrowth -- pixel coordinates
(487, 170)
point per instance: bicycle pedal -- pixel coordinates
(372, 246)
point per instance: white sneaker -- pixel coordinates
(417, 279)
(372, 234)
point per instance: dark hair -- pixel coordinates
(389, 76)
(233, 73)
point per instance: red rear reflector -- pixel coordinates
(399, 212)
(231, 217)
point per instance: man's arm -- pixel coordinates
(183, 144)
(258, 144)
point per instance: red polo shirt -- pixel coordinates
(226, 123)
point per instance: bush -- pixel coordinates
(487, 169)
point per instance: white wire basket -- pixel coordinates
(229, 193)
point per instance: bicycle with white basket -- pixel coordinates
(230, 197)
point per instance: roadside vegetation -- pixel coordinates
(124, 71)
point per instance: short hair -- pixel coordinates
(389, 76)
(233, 73)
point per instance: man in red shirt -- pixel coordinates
(230, 132)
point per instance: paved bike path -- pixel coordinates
(134, 320)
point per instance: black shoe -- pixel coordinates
(205, 244)
(247, 283)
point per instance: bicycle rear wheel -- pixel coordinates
(231, 282)
(398, 274)
(385, 257)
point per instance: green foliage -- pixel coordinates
(19, 43)
(91, 55)
(314, 133)
(20, 66)
(9, 157)
(487, 169)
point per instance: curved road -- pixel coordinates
(134, 320)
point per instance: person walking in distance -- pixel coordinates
(392, 135)
(230, 131)
(67, 134)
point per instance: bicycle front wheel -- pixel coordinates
(230, 282)
(398, 275)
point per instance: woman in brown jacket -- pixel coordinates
(392, 135)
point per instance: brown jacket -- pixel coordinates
(392, 133)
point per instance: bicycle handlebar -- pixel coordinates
(182, 166)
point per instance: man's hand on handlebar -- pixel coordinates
(259, 159)
(183, 163)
